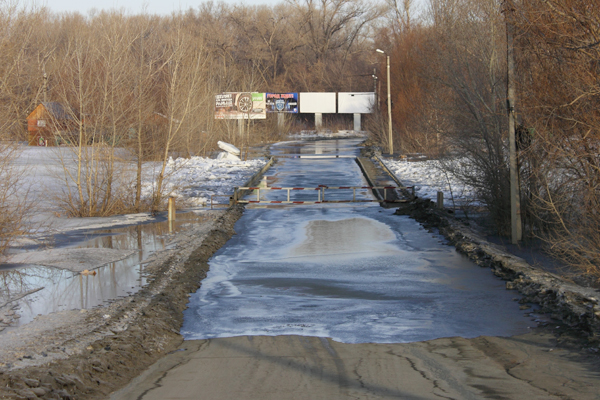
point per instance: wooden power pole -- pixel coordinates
(515, 200)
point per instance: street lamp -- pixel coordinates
(389, 101)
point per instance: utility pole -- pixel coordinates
(515, 200)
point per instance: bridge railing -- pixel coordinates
(320, 195)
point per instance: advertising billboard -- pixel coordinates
(317, 103)
(240, 105)
(356, 102)
(282, 102)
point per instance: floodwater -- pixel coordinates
(53, 289)
(352, 272)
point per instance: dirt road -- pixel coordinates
(294, 367)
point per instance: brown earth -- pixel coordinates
(88, 355)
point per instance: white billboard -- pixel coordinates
(317, 103)
(356, 102)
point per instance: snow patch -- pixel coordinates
(428, 177)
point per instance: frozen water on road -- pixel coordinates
(353, 273)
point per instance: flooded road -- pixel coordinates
(349, 301)
(355, 273)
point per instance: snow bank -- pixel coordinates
(195, 179)
(191, 180)
(428, 178)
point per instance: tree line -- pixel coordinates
(449, 88)
(141, 87)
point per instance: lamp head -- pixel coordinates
(380, 51)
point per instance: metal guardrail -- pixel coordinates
(237, 194)
(213, 204)
(310, 156)
(240, 192)
(253, 180)
(391, 174)
(320, 195)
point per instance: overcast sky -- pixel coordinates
(163, 7)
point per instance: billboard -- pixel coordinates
(356, 102)
(317, 103)
(240, 105)
(282, 102)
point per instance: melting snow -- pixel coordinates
(197, 178)
(428, 178)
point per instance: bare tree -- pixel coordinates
(18, 90)
(558, 48)
(181, 73)
(329, 31)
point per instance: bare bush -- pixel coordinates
(464, 111)
(17, 31)
(558, 49)
(15, 206)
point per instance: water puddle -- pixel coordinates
(55, 279)
(346, 238)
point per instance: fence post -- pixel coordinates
(171, 213)
(440, 200)
(171, 208)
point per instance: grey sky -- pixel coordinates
(163, 7)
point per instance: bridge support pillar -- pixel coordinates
(318, 121)
(357, 123)
(280, 122)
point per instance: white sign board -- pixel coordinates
(317, 103)
(356, 102)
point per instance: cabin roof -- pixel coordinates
(56, 110)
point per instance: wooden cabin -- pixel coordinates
(50, 124)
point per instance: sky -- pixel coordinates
(161, 7)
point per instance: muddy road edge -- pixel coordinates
(125, 337)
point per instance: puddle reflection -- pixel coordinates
(65, 290)
(346, 238)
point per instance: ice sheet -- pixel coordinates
(354, 273)
(273, 279)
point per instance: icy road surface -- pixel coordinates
(355, 273)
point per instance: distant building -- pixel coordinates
(50, 124)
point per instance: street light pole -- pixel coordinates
(375, 90)
(389, 101)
